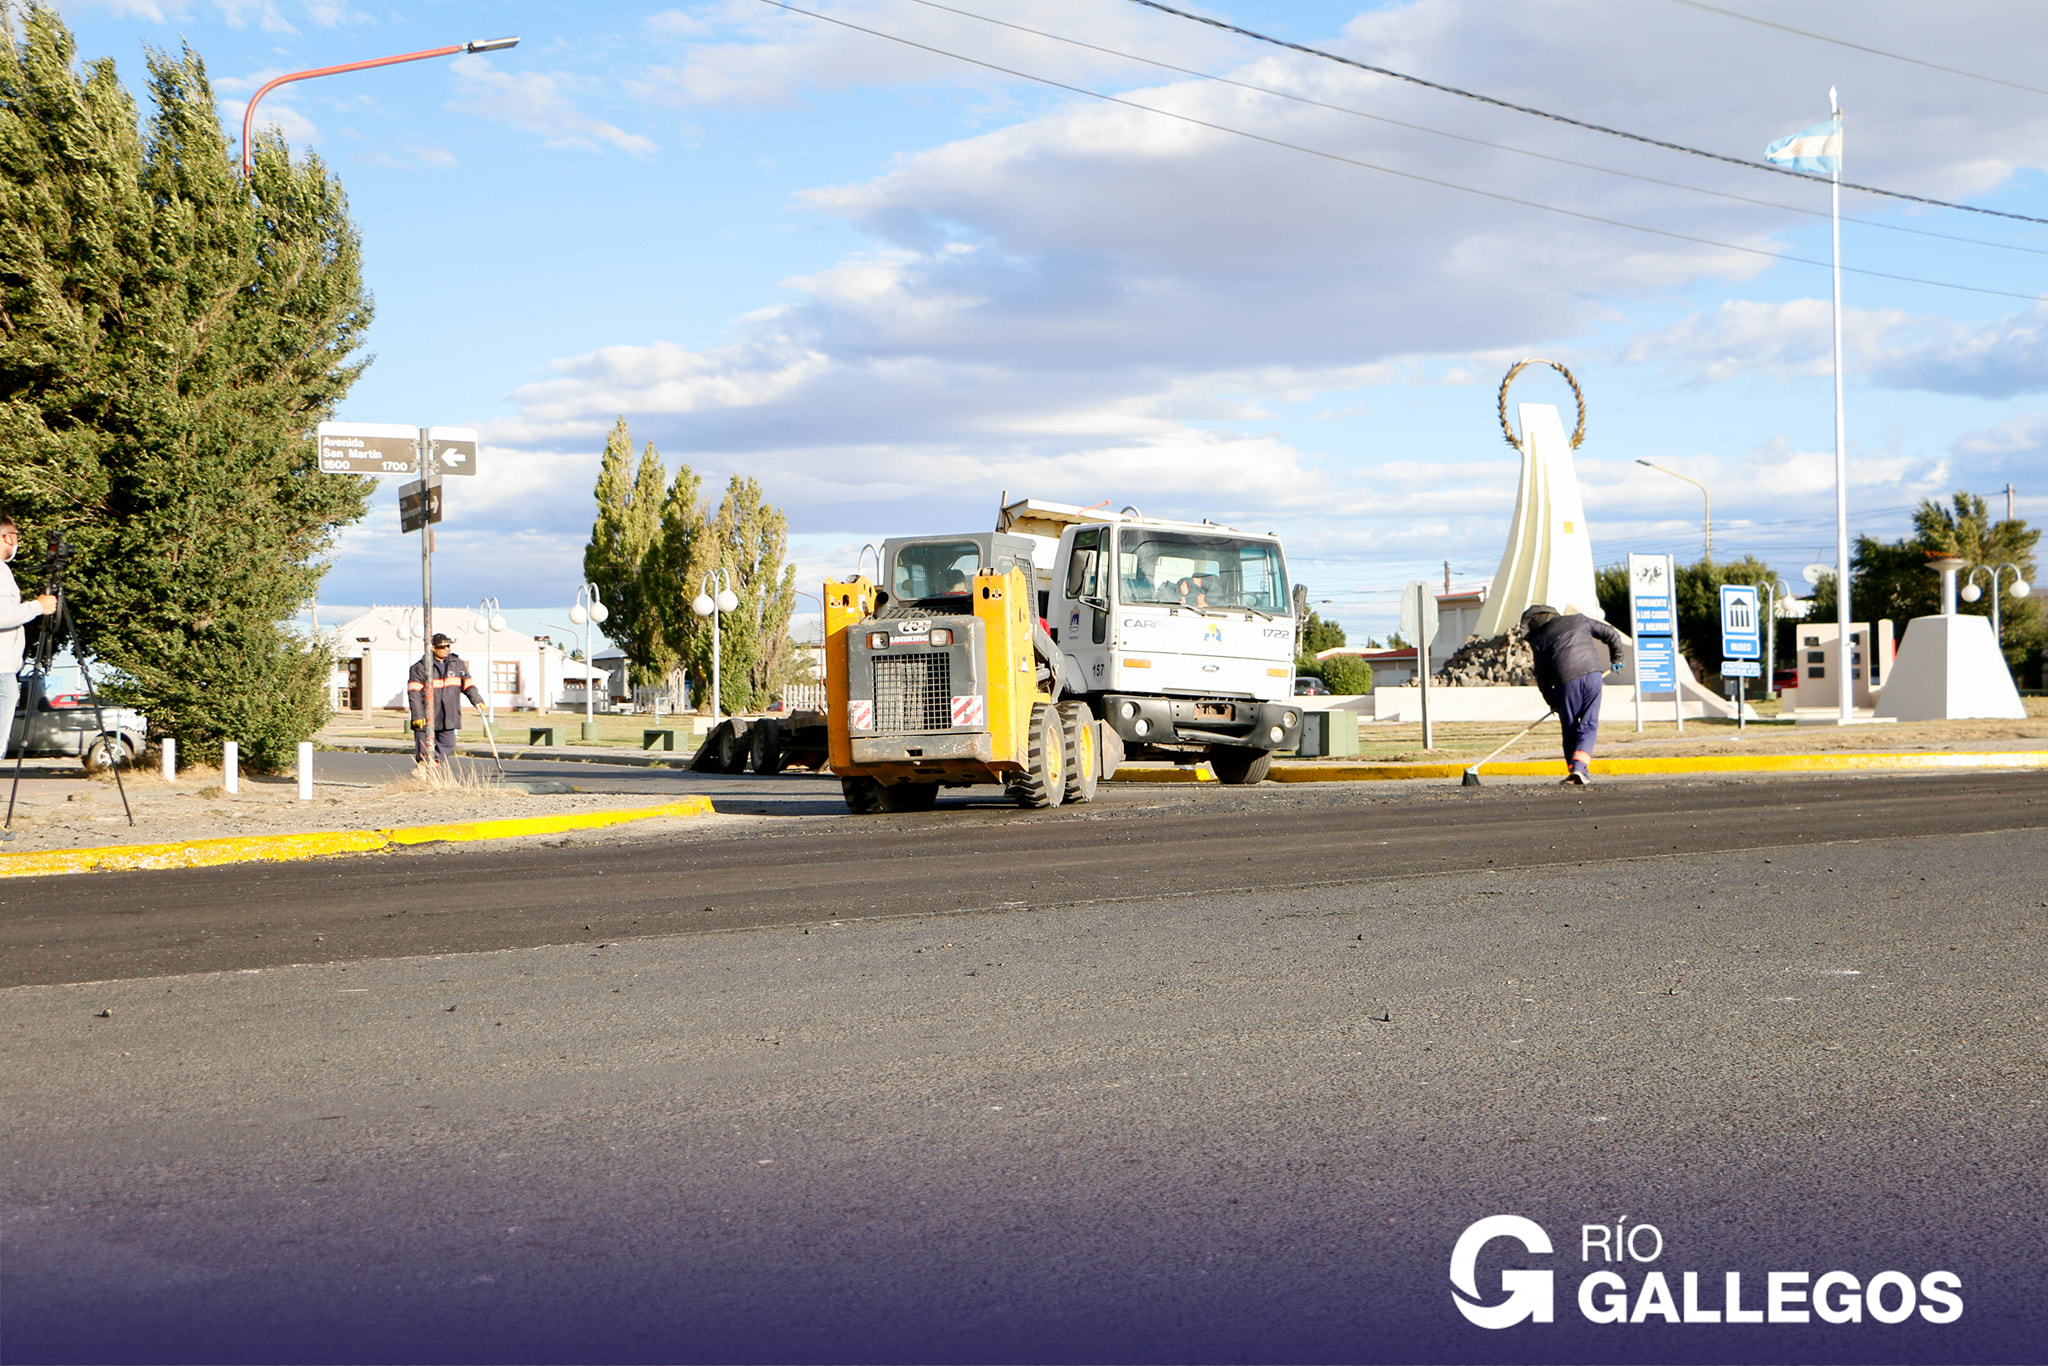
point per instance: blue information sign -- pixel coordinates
(1653, 614)
(1742, 634)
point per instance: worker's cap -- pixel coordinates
(440, 640)
(1540, 612)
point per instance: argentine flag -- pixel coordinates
(1817, 149)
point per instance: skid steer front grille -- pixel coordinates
(913, 692)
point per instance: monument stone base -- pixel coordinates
(1949, 668)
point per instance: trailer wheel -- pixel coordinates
(764, 747)
(1077, 729)
(1043, 782)
(731, 749)
(863, 796)
(1239, 765)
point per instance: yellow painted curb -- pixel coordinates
(1163, 775)
(1696, 763)
(258, 848)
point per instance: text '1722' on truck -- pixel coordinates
(1042, 654)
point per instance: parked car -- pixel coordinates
(62, 725)
(1311, 687)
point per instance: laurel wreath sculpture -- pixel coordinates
(1578, 433)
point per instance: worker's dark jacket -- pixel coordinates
(451, 683)
(1571, 647)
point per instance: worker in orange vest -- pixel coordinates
(442, 713)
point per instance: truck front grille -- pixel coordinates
(913, 692)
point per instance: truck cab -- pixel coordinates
(1179, 635)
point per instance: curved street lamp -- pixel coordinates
(1971, 593)
(589, 608)
(248, 114)
(1703, 493)
(713, 604)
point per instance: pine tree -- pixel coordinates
(622, 557)
(169, 336)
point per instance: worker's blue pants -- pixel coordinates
(1579, 710)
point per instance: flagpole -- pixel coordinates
(1845, 667)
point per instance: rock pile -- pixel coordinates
(1502, 662)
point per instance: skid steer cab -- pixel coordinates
(953, 688)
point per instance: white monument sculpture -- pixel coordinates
(1949, 666)
(1549, 554)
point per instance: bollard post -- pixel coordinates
(170, 760)
(230, 767)
(305, 770)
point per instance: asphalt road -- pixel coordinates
(1192, 1075)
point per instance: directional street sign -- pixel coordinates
(1742, 668)
(1741, 629)
(1418, 615)
(454, 449)
(367, 448)
(414, 511)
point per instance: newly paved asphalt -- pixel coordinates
(1188, 1075)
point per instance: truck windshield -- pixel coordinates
(935, 569)
(1190, 569)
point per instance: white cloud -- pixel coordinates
(536, 103)
(269, 16)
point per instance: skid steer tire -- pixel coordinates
(764, 748)
(1084, 764)
(909, 796)
(1239, 765)
(863, 796)
(1043, 782)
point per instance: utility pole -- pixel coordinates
(2008, 502)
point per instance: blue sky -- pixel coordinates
(892, 285)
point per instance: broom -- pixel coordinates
(1471, 778)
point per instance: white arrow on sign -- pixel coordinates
(454, 449)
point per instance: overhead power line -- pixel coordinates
(1389, 170)
(1466, 138)
(1568, 120)
(1858, 47)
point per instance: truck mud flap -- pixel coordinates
(1112, 749)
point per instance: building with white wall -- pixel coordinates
(374, 654)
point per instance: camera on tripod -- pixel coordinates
(56, 562)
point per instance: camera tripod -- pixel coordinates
(59, 629)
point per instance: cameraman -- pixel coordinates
(14, 614)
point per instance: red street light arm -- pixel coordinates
(485, 45)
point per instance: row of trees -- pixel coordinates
(1889, 580)
(651, 549)
(169, 334)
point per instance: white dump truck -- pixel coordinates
(1179, 636)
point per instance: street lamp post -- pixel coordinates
(588, 609)
(1703, 493)
(1771, 592)
(1971, 593)
(249, 114)
(489, 620)
(712, 604)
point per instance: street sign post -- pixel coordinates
(1742, 639)
(1653, 620)
(419, 503)
(426, 453)
(1418, 624)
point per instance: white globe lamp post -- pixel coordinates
(714, 599)
(489, 621)
(588, 609)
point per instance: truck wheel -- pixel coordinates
(764, 747)
(863, 796)
(1043, 782)
(1239, 766)
(910, 796)
(731, 749)
(1077, 729)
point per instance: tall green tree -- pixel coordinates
(169, 335)
(622, 559)
(687, 552)
(752, 540)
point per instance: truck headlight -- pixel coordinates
(1288, 719)
(1143, 726)
(1127, 709)
(1277, 734)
